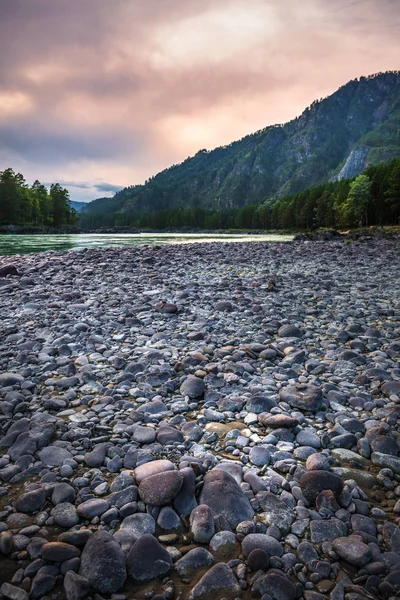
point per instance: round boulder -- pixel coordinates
(161, 488)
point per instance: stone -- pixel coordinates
(352, 550)
(185, 500)
(65, 514)
(31, 502)
(76, 587)
(152, 468)
(275, 585)
(260, 405)
(290, 331)
(147, 559)
(223, 544)
(386, 460)
(348, 457)
(143, 435)
(202, 524)
(54, 456)
(63, 492)
(304, 397)
(161, 488)
(259, 456)
(12, 592)
(103, 563)
(193, 387)
(192, 561)
(139, 524)
(317, 462)
(8, 379)
(95, 458)
(94, 507)
(262, 541)
(59, 551)
(223, 495)
(217, 582)
(326, 531)
(277, 421)
(314, 482)
(275, 512)
(257, 560)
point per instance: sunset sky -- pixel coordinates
(100, 94)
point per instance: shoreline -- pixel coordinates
(226, 408)
(309, 235)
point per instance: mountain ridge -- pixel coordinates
(334, 138)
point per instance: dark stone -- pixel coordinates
(302, 396)
(31, 502)
(290, 331)
(258, 559)
(260, 404)
(277, 421)
(192, 561)
(59, 551)
(352, 550)
(312, 483)
(103, 563)
(76, 587)
(275, 511)
(161, 488)
(224, 496)
(218, 582)
(267, 543)
(193, 387)
(147, 559)
(185, 500)
(169, 435)
(276, 584)
(8, 270)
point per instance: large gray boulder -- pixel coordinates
(225, 497)
(103, 563)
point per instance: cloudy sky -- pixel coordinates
(99, 94)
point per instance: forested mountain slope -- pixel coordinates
(334, 138)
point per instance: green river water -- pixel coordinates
(23, 244)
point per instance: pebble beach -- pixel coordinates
(201, 421)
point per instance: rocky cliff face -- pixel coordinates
(355, 164)
(334, 138)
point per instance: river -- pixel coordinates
(24, 244)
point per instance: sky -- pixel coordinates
(101, 94)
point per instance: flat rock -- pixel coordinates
(387, 461)
(326, 531)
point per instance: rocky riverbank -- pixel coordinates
(201, 421)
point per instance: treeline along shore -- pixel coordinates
(372, 198)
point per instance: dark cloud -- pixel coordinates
(115, 90)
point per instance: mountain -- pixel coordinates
(334, 138)
(77, 205)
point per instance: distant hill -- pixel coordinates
(77, 205)
(334, 138)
